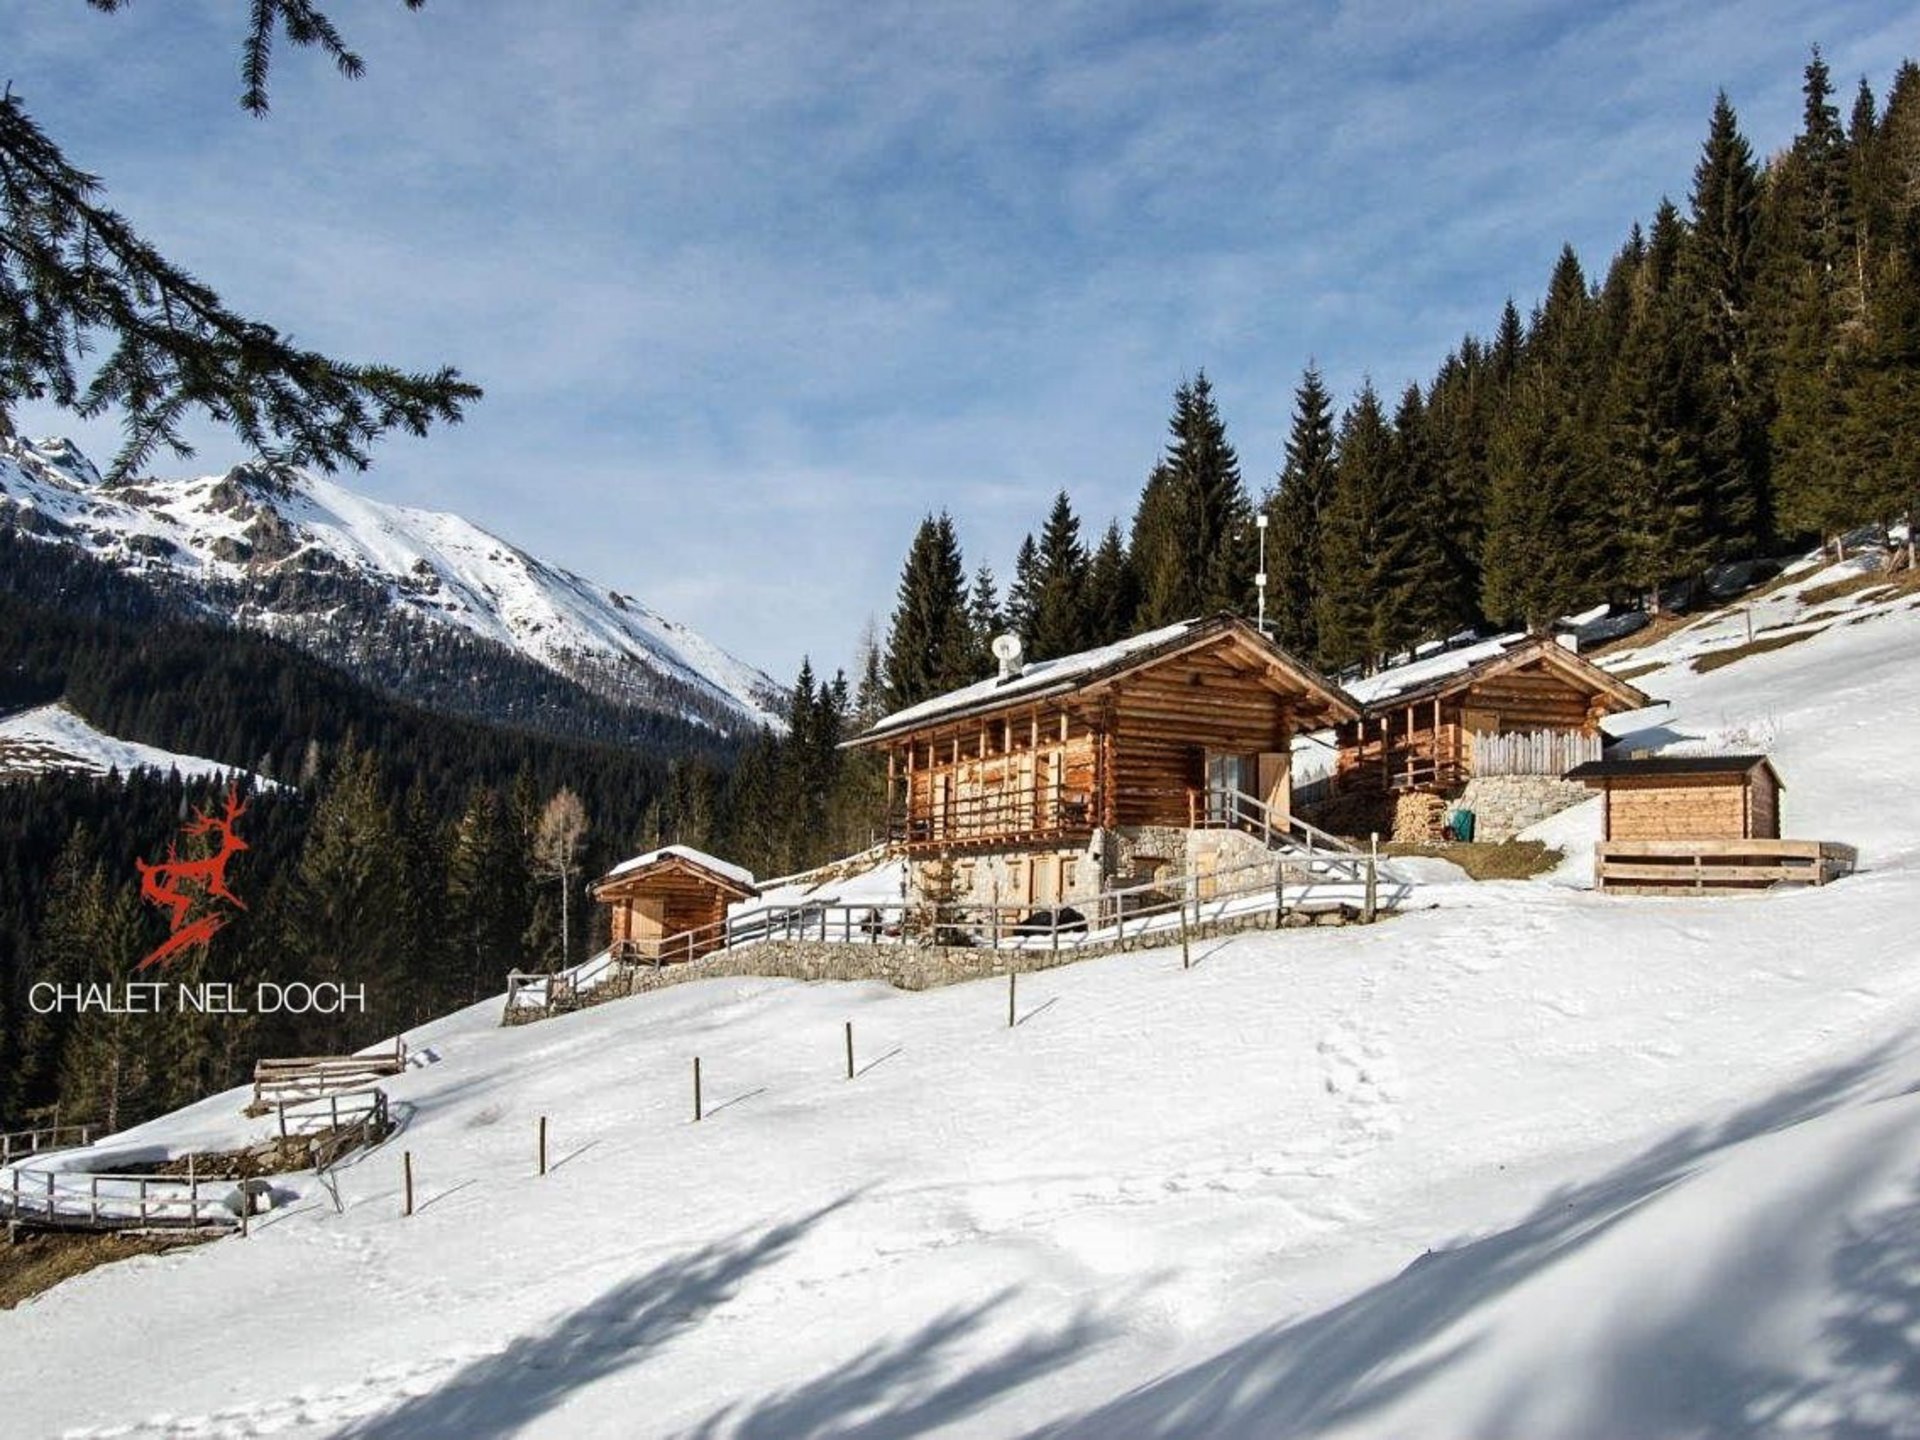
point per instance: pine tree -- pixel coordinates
(1353, 532)
(984, 618)
(106, 1065)
(483, 878)
(1659, 435)
(1060, 624)
(1296, 508)
(1113, 590)
(1193, 532)
(345, 885)
(1718, 285)
(930, 646)
(1023, 596)
(1417, 596)
(1547, 508)
(870, 698)
(1157, 551)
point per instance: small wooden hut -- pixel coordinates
(671, 904)
(1686, 797)
(1519, 705)
(1699, 824)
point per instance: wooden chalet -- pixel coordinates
(1686, 797)
(1517, 706)
(670, 904)
(1138, 733)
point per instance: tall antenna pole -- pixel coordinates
(1260, 580)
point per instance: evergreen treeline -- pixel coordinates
(404, 850)
(1744, 374)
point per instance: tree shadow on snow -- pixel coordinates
(499, 1394)
(906, 1386)
(1343, 1364)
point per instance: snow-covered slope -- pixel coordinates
(289, 545)
(1534, 1163)
(53, 738)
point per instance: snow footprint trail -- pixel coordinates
(1359, 1071)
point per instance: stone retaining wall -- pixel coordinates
(1504, 805)
(907, 967)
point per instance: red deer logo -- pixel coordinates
(180, 886)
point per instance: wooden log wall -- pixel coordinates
(1534, 698)
(1682, 807)
(682, 901)
(1166, 720)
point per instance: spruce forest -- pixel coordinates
(1742, 377)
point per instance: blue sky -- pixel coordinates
(753, 286)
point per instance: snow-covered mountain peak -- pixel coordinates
(305, 557)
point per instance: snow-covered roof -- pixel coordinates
(1417, 674)
(1437, 674)
(1044, 678)
(725, 869)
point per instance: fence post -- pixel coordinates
(543, 1144)
(1186, 952)
(849, 1049)
(696, 1089)
(1012, 975)
(1373, 886)
(406, 1169)
(1279, 891)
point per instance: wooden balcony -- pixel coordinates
(992, 821)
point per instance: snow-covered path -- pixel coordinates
(1531, 1163)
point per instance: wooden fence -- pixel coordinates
(1696, 867)
(313, 1077)
(18, 1144)
(1533, 752)
(86, 1200)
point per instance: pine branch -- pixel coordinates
(73, 271)
(303, 23)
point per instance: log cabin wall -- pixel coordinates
(1534, 698)
(665, 903)
(1166, 721)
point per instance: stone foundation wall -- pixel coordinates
(1504, 805)
(908, 967)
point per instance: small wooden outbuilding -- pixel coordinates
(1518, 705)
(1700, 824)
(671, 904)
(1686, 797)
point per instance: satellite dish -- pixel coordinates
(1006, 647)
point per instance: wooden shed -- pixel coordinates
(1700, 824)
(671, 904)
(1686, 797)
